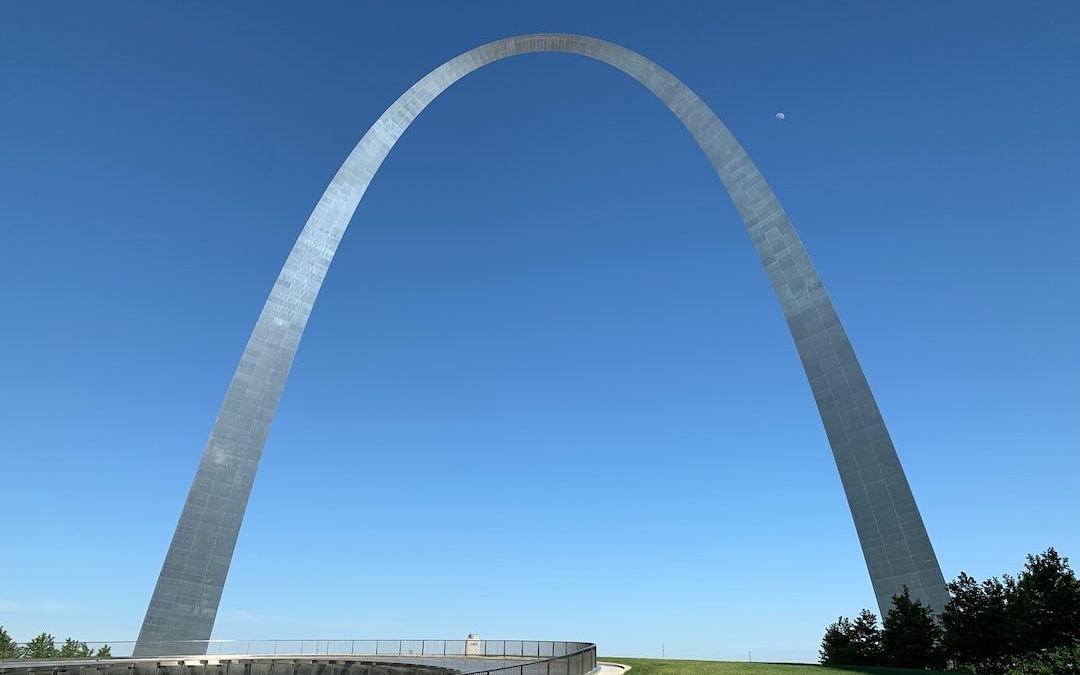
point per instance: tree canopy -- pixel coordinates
(1028, 624)
(44, 647)
(911, 636)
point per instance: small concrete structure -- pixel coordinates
(473, 645)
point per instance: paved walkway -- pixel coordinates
(609, 668)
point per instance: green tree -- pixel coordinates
(104, 652)
(976, 624)
(838, 647)
(1062, 660)
(41, 647)
(852, 643)
(866, 639)
(8, 648)
(1057, 661)
(1045, 603)
(911, 636)
(73, 649)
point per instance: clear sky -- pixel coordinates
(546, 391)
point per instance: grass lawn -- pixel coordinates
(674, 667)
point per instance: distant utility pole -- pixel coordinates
(750, 655)
(662, 653)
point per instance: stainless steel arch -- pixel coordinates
(893, 538)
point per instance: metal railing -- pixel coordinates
(473, 656)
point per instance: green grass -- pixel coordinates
(674, 667)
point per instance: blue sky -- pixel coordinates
(546, 391)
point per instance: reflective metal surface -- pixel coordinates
(894, 541)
